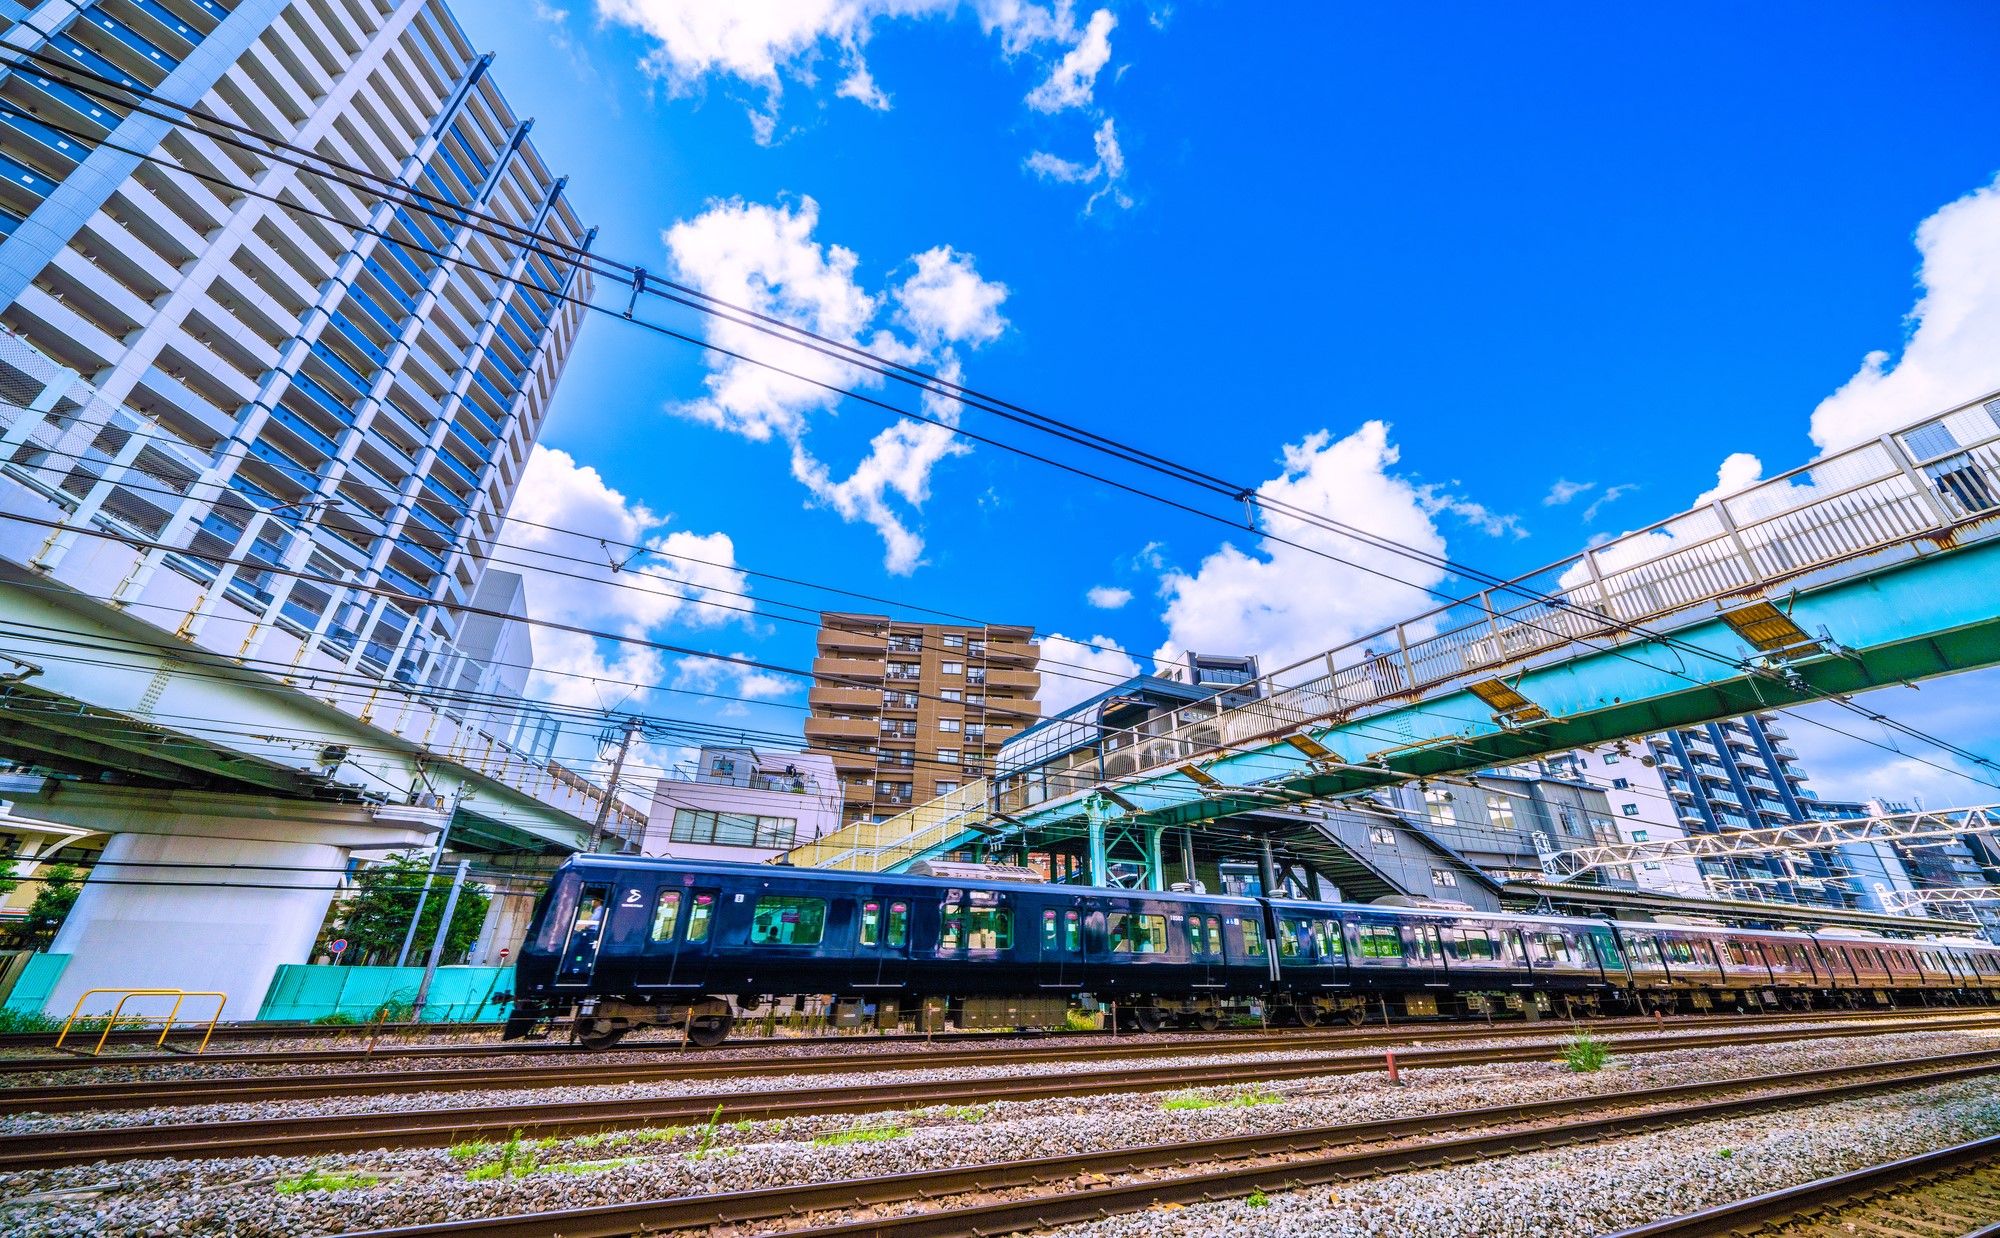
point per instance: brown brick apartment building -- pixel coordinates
(910, 711)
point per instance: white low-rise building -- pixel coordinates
(743, 804)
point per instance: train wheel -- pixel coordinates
(1148, 1018)
(595, 1037)
(1355, 1015)
(1207, 1020)
(1308, 1016)
(709, 1030)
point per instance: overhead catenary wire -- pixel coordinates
(1304, 517)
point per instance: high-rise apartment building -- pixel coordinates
(909, 711)
(312, 400)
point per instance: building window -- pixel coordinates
(947, 756)
(951, 694)
(1382, 834)
(954, 642)
(946, 788)
(894, 792)
(978, 646)
(1500, 811)
(723, 765)
(1638, 836)
(1621, 784)
(1444, 878)
(900, 700)
(953, 668)
(1630, 810)
(976, 674)
(1611, 758)
(948, 725)
(906, 643)
(973, 765)
(905, 670)
(733, 829)
(975, 698)
(975, 730)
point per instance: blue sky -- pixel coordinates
(1492, 280)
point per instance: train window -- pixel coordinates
(580, 950)
(1326, 933)
(899, 925)
(1381, 941)
(1132, 933)
(1424, 944)
(1551, 947)
(787, 920)
(975, 928)
(1799, 960)
(1645, 950)
(1072, 932)
(1292, 938)
(1607, 949)
(666, 914)
(1215, 937)
(1193, 930)
(871, 923)
(1470, 945)
(699, 916)
(1049, 938)
(1253, 939)
(1737, 954)
(557, 915)
(1679, 951)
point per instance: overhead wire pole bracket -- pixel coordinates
(638, 290)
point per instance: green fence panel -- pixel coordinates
(302, 992)
(38, 980)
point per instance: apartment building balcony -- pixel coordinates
(848, 668)
(1690, 817)
(840, 728)
(1775, 733)
(1787, 753)
(843, 700)
(856, 793)
(1007, 679)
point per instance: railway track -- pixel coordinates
(438, 1127)
(1951, 1193)
(1008, 1197)
(135, 1094)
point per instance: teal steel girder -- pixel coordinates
(1934, 614)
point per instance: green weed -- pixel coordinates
(1585, 1052)
(591, 1167)
(466, 1151)
(860, 1134)
(27, 1021)
(314, 1179)
(1079, 1021)
(339, 1018)
(1191, 1102)
(1726, 1153)
(1258, 1200)
(1244, 1100)
(517, 1160)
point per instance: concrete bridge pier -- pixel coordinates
(201, 891)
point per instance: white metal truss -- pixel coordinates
(1950, 896)
(1812, 836)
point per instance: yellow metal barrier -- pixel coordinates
(179, 996)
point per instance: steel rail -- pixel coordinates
(1826, 1195)
(1595, 1117)
(437, 1127)
(132, 1094)
(1027, 1044)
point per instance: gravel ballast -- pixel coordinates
(242, 1196)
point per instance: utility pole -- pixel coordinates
(437, 853)
(437, 943)
(632, 727)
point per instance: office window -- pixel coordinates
(1630, 810)
(947, 756)
(733, 829)
(1382, 834)
(1621, 784)
(953, 668)
(951, 694)
(954, 642)
(948, 725)
(1444, 877)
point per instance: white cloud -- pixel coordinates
(765, 258)
(1074, 670)
(1285, 603)
(683, 579)
(859, 85)
(1109, 168)
(1108, 597)
(1563, 491)
(1611, 495)
(1072, 81)
(1949, 356)
(1738, 472)
(1870, 760)
(718, 678)
(1478, 515)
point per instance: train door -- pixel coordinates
(1062, 948)
(882, 943)
(1423, 954)
(683, 924)
(1204, 968)
(584, 934)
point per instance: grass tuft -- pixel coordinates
(1584, 1052)
(860, 1134)
(1079, 1021)
(1258, 1199)
(1191, 1102)
(315, 1179)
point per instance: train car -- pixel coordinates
(629, 943)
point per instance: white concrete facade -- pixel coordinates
(744, 805)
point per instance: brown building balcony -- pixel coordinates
(1007, 679)
(842, 728)
(834, 641)
(857, 792)
(848, 668)
(843, 700)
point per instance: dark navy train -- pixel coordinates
(619, 944)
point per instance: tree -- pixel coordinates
(376, 916)
(60, 884)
